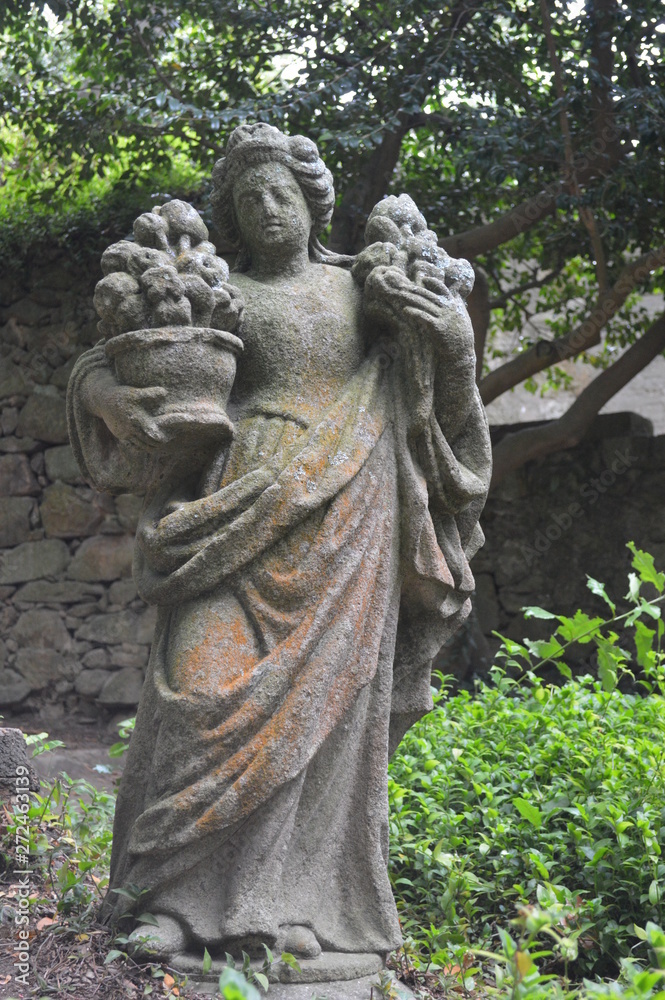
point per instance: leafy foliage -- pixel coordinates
(540, 797)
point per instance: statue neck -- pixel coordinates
(283, 262)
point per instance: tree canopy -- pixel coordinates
(530, 134)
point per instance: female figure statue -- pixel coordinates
(305, 575)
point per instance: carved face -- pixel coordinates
(271, 210)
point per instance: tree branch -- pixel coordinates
(501, 300)
(546, 353)
(566, 432)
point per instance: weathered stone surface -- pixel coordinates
(16, 477)
(15, 763)
(122, 592)
(41, 629)
(96, 659)
(13, 688)
(13, 445)
(14, 520)
(135, 657)
(129, 509)
(276, 567)
(43, 416)
(60, 592)
(28, 312)
(123, 626)
(106, 557)
(12, 380)
(487, 605)
(66, 515)
(33, 561)
(122, 688)
(90, 682)
(61, 464)
(42, 667)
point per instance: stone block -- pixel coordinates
(486, 603)
(44, 416)
(12, 380)
(13, 688)
(123, 688)
(123, 626)
(42, 668)
(67, 515)
(15, 754)
(96, 659)
(90, 682)
(13, 445)
(61, 592)
(41, 629)
(14, 520)
(27, 312)
(136, 657)
(129, 508)
(16, 477)
(61, 464)
(105, 557)
(122, 592)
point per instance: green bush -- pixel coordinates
(528, 795)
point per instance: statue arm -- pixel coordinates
(111, 429)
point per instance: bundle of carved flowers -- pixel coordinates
(168, 276)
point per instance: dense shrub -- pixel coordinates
(527, 793)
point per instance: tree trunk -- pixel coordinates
(374, 175)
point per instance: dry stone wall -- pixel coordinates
(74, 636)
(554, 522)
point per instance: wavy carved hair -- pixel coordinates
(252, 145)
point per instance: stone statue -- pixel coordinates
(306, 532)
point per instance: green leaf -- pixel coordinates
(207, 960)
(288, 959)
(580, 628)
(529, 812)
(598, 588)
(644, 644)
(234, 986)
(112, 955)
(148, 918)
(262, 980)
(533, 612)
(643, 563)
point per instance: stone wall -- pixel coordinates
(556, 520)
(74, 636)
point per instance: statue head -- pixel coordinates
(253, 146)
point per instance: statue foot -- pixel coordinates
(299, 940)
(162, 941)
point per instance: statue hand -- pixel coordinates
(128, 413)
(422, 305)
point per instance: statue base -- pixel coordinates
(339, 989)
(333, 975)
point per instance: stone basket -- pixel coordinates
(196, 366)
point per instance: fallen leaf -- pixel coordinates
(44, 922)
(169, 981)
(4, 980)
(82, 937)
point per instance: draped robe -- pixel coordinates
(303, 585)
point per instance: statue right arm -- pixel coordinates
(112, 428)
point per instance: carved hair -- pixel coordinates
(252, 145)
